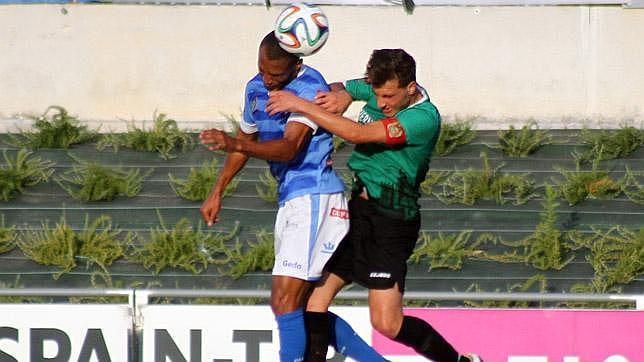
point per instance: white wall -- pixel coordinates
(560, 65)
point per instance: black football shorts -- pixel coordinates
(374, 253)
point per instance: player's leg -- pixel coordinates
(287, 296)
(291, 282)
(327, 328)
(387, 318)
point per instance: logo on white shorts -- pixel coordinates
(341, 213)
(328, 248)
(380, 275)
(291, 265)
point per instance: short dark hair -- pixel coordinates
(388, 64)
(273, 51)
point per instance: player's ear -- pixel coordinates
(411, 88)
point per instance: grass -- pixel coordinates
(164, 137)
(267, 189)
(609, 144)
(199, 182)
(58, 131)
(547, 247)
(538, 282)
(632, 188)
(616, 255)
(468, 186)
(182, 247)
(578, 185)
(446, 251)
(453, 135)
(22, 171)
(256, 256)
(7, 237)
(432, 179)
(98, 243)
(523, 142)
(91, 181)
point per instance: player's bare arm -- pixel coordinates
(336, 101)
(235, 161)
(284, 101)
(296, 134)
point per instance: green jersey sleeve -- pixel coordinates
(359, 89)
(421, 124)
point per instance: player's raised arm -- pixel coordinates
(284, 101)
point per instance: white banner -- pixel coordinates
(223, 333)
(62, 333)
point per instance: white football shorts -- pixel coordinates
(308, 229)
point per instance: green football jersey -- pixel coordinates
(392, 174)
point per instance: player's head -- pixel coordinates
(392, 74)
(276, 66)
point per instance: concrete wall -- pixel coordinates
(560, 65)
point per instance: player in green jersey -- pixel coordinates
(395, 134)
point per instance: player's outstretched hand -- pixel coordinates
(210, 209)
(334, 101)
(284, 101)
(216, 140)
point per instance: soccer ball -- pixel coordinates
(302, 29)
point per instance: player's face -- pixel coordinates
(391, 97)
(276, 73)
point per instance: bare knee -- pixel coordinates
(387, 324)
(285, 301)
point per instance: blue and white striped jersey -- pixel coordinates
(310, 172)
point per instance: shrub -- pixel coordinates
(7, 237)
(433, 178)
(91, 181)
(577, 185)
(467, 186)
(453, 135)
(59, 131)
(199, 182)
(267, 190)
(257, 256)
(608, 145)
(163, 138)
(446, 251)
(523, 142)
(22, 171)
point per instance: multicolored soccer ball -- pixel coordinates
(302, 29)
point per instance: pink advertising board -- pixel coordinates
(503, 335)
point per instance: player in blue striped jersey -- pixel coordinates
(313, 215)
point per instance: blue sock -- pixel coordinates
(292, 336)
(347, 342)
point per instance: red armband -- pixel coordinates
(394, 131)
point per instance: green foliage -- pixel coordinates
(268, 188)
(538, 280)
(338, 143)
(163, 138)
(182, 247)
(468, 186)
(577, 185)
(22, 171)
(98, 243)
(453, 135)
(256, 256)
(55, 246)
(7, 237)
(59, 131)
(547, 247)
(446, 251)
(199, 182)
(609, 144)
(523, 142)
(91, 181)
(616, 255)
(433, 178)
(632, 188)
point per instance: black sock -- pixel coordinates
(424, 339)
(317, 341)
